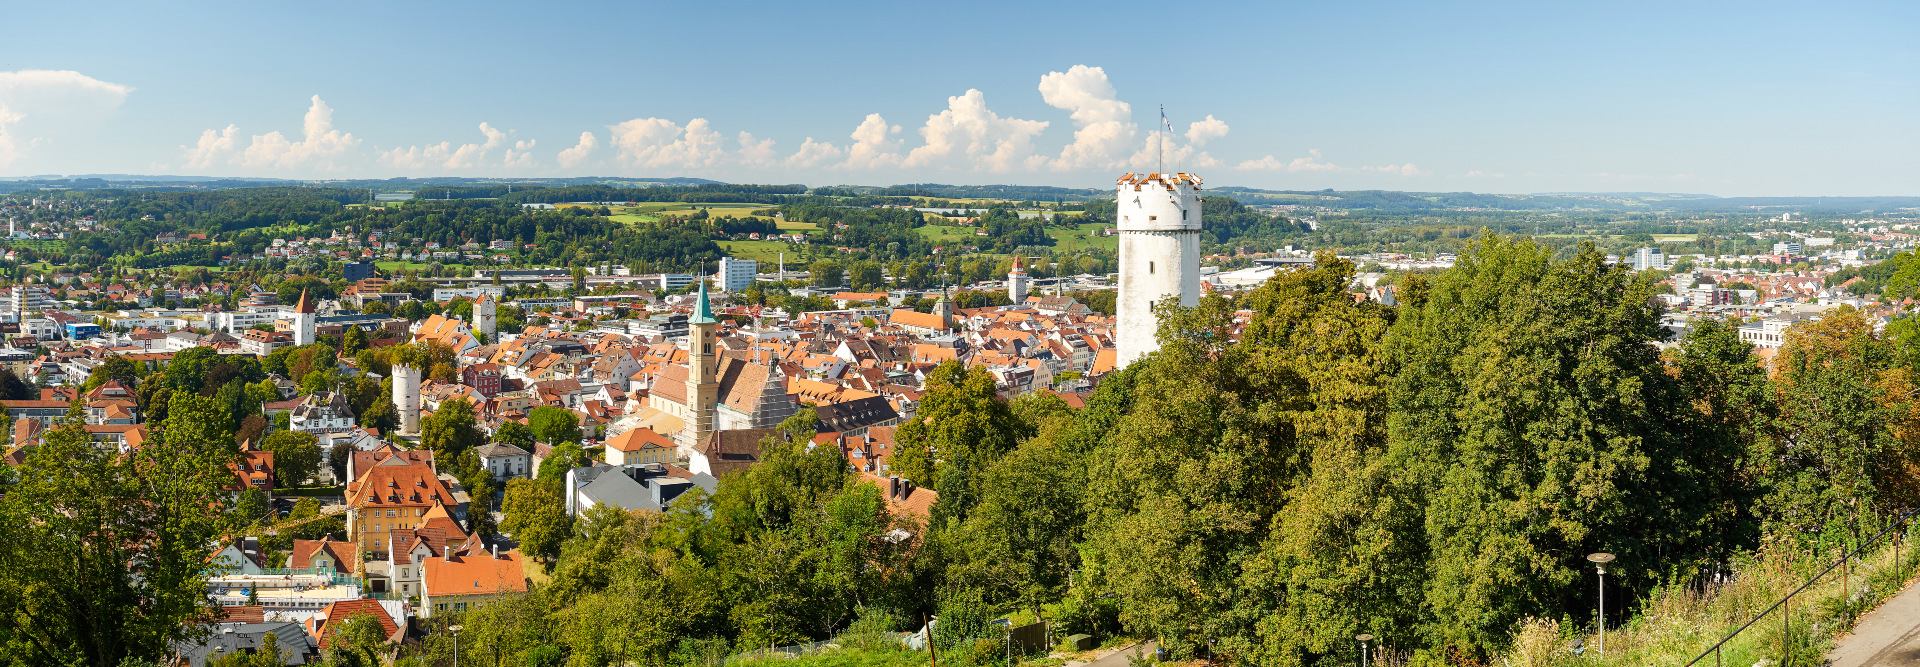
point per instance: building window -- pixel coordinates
(1152, 218)
(1149, 267)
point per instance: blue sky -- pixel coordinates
(1728, 98)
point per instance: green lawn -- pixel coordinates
(1084, 237)
(948, 233)
(766, 252)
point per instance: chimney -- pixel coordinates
(906, 488)
(893, 487)
(496, 550)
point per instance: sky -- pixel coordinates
(1751, 98)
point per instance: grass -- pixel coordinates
(1678, 623)
(1084, 237)
(839, 658)
(1675, 238)
(655, 211)
(766, 252)
(947, 233)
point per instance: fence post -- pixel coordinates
(1786, 630)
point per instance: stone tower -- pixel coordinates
(703, 372)
(1159, 225)
(406, 397)
(1017, 283)
(484, 321)
(303, 320)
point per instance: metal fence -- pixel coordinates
(1895, 532)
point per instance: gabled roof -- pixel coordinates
(478, 574)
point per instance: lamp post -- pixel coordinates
(1600, 560)
(1363, 638)
(1008, 624)
(455, 629)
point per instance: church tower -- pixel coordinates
(1159, 225)
(303, 320)
(703, 371)
(1017, 283)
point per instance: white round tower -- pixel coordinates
(484, 320)
(1017, 283)
(406, 398)
(1158, 218)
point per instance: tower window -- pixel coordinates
(1149, 267)
(1183, 214)
(1152, 218)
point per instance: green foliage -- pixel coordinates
(554, 425)
(536, 516)
(296, 456)
(960, 426)
(451, 431)
(77, 517)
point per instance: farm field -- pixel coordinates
(766, 252)
(1083, 237)
(646, 212)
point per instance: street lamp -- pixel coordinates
(455, 629)
(1363, 638)
(1600, 560)
(1008, 623)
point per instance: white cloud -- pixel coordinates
(658, 142)
(446, 155)
(873, 146)
(319, 142)
(1311, 162)
(574, 156)
(814, 154)
(968, 128)
(520, 154)
(1403, 169)
(1103, 122)
(755, 152)
(49, 97)
(212, 146)
(1314, 162)
(35, 82)
(1205, 130)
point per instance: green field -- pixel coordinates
(949, 234)
(767, 252)
(1084, 237)
(1675, 238)
(797, 226)
(655, 211)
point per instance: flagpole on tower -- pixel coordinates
(1160, 147)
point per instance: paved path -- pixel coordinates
(1121, 657)
(1889, 635)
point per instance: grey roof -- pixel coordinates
(231, 638)
(646, 486)
(499, 449)
(855, 414)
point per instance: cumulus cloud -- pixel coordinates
(520, 154)
(446, 155)
(873, 145)
(755, 152)
(1311, 162)
(967, 128)
(49, 95)
(319, 142)
(9, 147)
(212, 146)
(581, 150)
(1207, 129)
(1103, 123)
(814, 154)
(658, 142)
(1403, 169)
(1314, 162)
